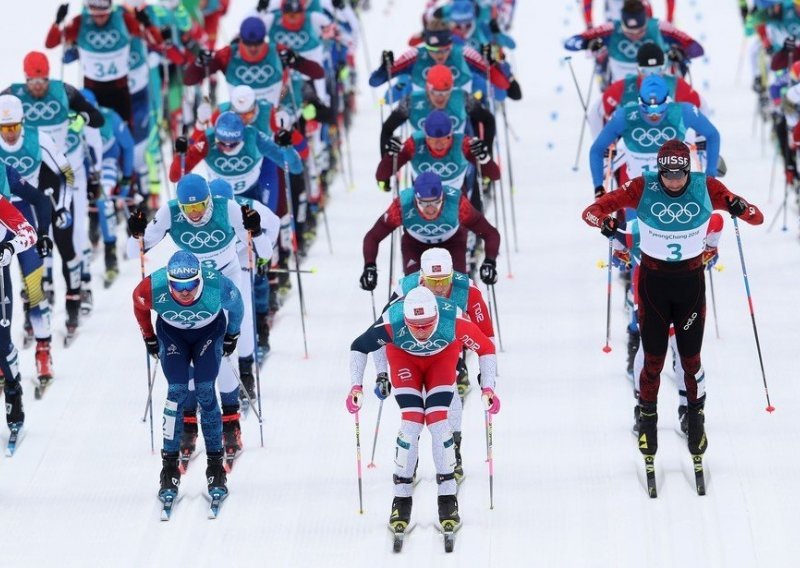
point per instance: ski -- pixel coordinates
(399, 532)
(185, 458)
(41, 388)
(28, 338)
(699, 474)
(217, 495)
(650, 471)
(231, 454)
(109, 278)
(14, 439)
(168, 498)
(72, 332)
(449, 530)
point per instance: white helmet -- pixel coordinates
(436, 263)
(135, 4)
(421, 313)
(10, 110)
(243, 98)
(98, 6)
(170, 4)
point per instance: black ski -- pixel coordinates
(699, 474)
(41, 388)
(650, 471)
(231, 453)
(72, 332)
(449, 530)
(14, 439)
(168, 498)
(399, 532)
(217, 495)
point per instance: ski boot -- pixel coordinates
(170, 478)
(73, 305)
(87, 300)
(262, 330)
(683, 418)
(248, 380)
(462, 381)
(48, 290)
(28, 338)
(188, 439)
(94, 231)
(44, 366)
(112, 271)
(633, 347)
(648, 428)
(458, 470)
(401, 514)
(696, 429)
(215, 474)
(449, 519)
(274, 301)
(15, 413)
(231, 435)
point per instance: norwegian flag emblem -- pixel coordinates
(419, 311)
(436, 268)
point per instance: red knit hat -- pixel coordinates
(674, 155)
(36, 66)
(440, 78)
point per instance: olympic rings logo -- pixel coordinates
(202, 239)
(294, 40)
(233, 164)
(254, 74)
(629, 48)
(653, 136)
(431, 229)
(442, 169)
(135, 58)
(428, 347)
(186, 316)
(104, 39)
(675, 212)
(22, 164)
(41, 110)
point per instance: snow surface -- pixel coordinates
(568, 492)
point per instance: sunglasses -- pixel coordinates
(10, 128)
(674, 174)
(441, 49)
(37, 81)
(226, 145)
(185, 285)
(422, 325)
(428, 203)
(441, 92)
(194, 208)
(438, 280)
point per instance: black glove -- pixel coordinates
(263, 5)
(251, 220)
(143, 18)
(338, 4)
(181, 144)
(166, 34)
(599, 191)
(758, 85)
(283, 137)
(489, 271)
(387, 57)
(486, 52)
(288, 56)
(438, 13)
(480, 150)
(93, 187)
(595, 45)
(790, 43)
(204, 57)
(369, 278)
(700, 144)
(137, 223)
(61, 13)
(494, 27)
(393, 146)
(62, 218)
(383, 387)
(229, 344)
(736, 206)
(676, 54)
(44, 246)
(514, 91)
(152, 345)
(609, 227)
(744, 10)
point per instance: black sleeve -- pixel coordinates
(372, 339)
(395, 121)
(479, 114)
(39, 201)
(79, 104)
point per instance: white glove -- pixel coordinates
(6, 253)
(204, 113)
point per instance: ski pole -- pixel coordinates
(374, 311)
(395, 189)
(244, 390)
(785, 208)
(512, 189)
(769, 408)
(290, 209)
(371, 463)
(584, 105)
(252, 276)
(496, 317)
(4, 321)
(775, 218)
(291, 270)
(365, 47)
(150, 379)
(607, 347)
(358, 466)
(490, 456)
(713, 301)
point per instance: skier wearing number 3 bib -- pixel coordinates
(674, 209)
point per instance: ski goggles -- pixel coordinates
(437, 281)
(674, 174)
(227, 146)
(646, 71)
(11, 128)
(37, 81)
(430, 205)
(422, 326)
(195, 208)
(441, 92)
(654, 110)
(185, 285)
(439, 49)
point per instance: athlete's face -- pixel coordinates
(185, 297)
(439, 98)
(674, 184)
(100, 18)
(195, 211)
(252, 51)
(10, 133)
(439, 286)
(422, 330)
(37, 87)
(429, 209)
(439, 146)
(441, 54)
(634, 34)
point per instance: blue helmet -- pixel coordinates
(428, 185)
(462, 12)
(88, 94)
(183, 271)
(221, 188)
(192, 188)
(229, 128)
(252, 31)
(653, 95)
(438, 125)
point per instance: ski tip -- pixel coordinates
(607, 349)
(770, 409)
(370, 466)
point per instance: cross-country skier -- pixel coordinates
(191, 330)
(424, 337)
(674, 208)
(613, 11)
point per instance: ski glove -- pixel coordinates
(621, 259)
(393, 146)
(288, 56)
(383, 387)
(283, 137)
(62, 13)
(143, 18)
(790, 43)
(6, 253)
(152, 345)
(338, 4)
(251, 220)
(125, 186)
(369, 278)
(676, 54)
(62, 219)
(599, 191)
(736, 206)
(494, 27)
(486, 52)
(354, 399)
(491, 401)
(229, 344)
(137, 223)
(204, 57)
(44, 246)
(181, 144)
(609, 227)
(489, 271)
(595, 45)
(166, 35)
(387, 57)
(204, 112)
(480, 150)
(263, 6)
(710, 257)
